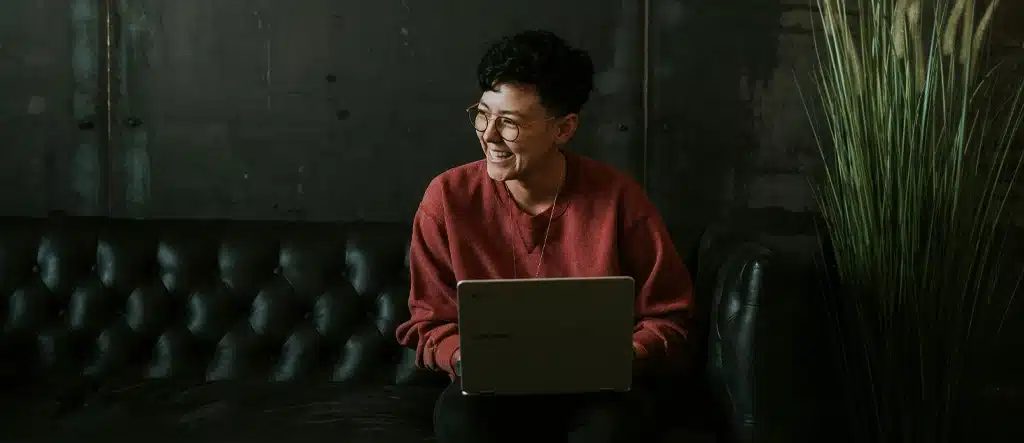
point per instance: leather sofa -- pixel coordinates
(245, 331)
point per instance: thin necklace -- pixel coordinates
(547, 230)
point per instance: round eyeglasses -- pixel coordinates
(506, 127)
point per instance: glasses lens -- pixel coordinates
(479, 119)
(508, 129)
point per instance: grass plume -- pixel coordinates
(913, 195)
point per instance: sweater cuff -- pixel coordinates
(445, 353)
(644, 341)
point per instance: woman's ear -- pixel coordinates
(566, 128)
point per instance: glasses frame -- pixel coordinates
(493, 117)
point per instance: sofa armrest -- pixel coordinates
(734, 301)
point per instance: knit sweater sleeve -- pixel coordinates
(664, 293)
(432, 328)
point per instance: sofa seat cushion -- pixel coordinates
(225, 412)
(163, 411)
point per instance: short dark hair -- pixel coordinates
(563, 75)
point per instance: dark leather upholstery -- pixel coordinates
(186, 330)
(735, 301)
(149, 311)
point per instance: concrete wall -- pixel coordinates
(332, 109)
(51, 142)
(259, 109)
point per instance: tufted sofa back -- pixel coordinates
(213, 300)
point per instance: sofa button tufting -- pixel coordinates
(194, 304)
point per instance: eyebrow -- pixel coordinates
(512, 113)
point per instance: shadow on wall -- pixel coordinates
(725, 119)
(708, 60)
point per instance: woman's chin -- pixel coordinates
(500, 172)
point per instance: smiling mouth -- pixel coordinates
(498, 156)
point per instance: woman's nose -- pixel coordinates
(491, 133)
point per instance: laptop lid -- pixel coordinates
(546, 336)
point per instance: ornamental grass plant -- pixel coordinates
(916, 131)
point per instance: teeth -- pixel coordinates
(500, 155)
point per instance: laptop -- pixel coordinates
(546, 336)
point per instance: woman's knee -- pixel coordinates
(450, 412)
(462, 419)
(612, 418)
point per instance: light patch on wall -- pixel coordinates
(788, 191)
(269, 59)
(83, 57)
(669, 12)
(137, 171)
(36, 105)
(798, 19)
(614, 134)
(85, 174)
(614, 79)
(663, 71)
(85, 183)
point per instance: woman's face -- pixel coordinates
(515, 112)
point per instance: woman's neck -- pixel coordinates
(536, 193)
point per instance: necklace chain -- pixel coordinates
(547, 230)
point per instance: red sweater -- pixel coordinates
(603, 225)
